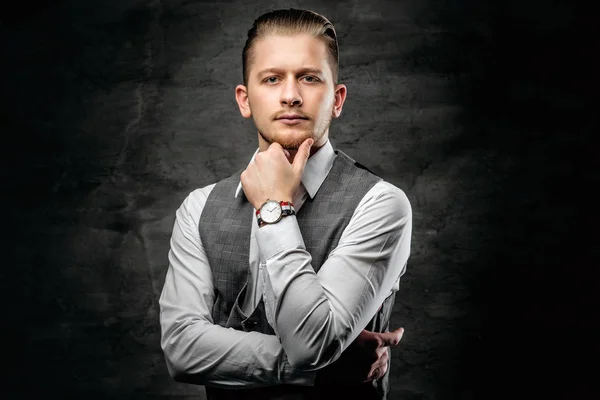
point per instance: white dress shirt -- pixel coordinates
(315, 315)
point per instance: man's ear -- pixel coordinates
(340, 98)
(241, 96)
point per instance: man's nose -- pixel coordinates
(290, 94)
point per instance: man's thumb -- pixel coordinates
(392, 338)
(302, 156)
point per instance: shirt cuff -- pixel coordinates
(293, 376)
(274, 238)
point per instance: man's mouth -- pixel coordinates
(291, 117)
(292, 121)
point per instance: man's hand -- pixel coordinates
(364, 360)
(272, 176)
(373, 347)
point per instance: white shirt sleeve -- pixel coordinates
(196, 350)
(316, 316)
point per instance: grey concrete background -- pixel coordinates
(113, 111)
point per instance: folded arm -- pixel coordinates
(196, 350)
(316, 316)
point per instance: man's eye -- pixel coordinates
(271, 79)
(311, 79)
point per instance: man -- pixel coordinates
(282, 277)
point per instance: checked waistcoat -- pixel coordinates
(225, 229)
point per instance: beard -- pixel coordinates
(292, 141)
(288, 142)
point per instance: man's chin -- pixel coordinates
(289, 139)
(292, 142)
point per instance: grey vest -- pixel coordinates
(225, 231)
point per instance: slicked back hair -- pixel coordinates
(292, 22)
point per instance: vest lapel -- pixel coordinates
(225, 228)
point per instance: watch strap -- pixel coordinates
(287, 208)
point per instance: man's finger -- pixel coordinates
(373, 374)
(391, 338)
(276, 146)
(301, 157)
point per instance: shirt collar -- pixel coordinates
(316, 170)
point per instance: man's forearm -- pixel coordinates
(316, 316)
(198, 352)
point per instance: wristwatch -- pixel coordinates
(272, 211)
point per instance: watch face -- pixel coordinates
(270, 212)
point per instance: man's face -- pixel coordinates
(290, 94)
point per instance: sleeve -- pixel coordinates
(316, 316)
(197, 351)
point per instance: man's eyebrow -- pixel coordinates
(309, 70)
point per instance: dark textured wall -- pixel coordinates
(113, 111)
